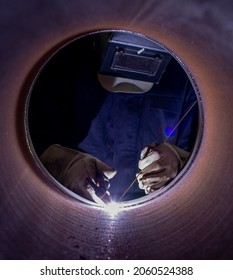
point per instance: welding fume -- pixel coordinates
(105, 116)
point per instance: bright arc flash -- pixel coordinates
(113, 208)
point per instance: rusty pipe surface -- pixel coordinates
(194, 219)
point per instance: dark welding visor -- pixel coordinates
(135, 57)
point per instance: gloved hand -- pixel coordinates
(81, 173)
(159, 164)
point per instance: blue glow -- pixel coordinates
(168, 131)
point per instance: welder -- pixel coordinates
(101, 110)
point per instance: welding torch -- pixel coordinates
(101, 195)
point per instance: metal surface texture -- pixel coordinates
(194, 219)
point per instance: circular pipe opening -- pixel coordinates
(86, 87)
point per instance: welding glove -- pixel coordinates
(81, 173)
(159, 164)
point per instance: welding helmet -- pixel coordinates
(130, 63)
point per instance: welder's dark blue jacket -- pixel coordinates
(69, 107)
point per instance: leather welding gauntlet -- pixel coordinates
(159, 164)
(81, 173)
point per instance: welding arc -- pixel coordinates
(176, 126)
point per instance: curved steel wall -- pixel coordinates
(194, 220)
